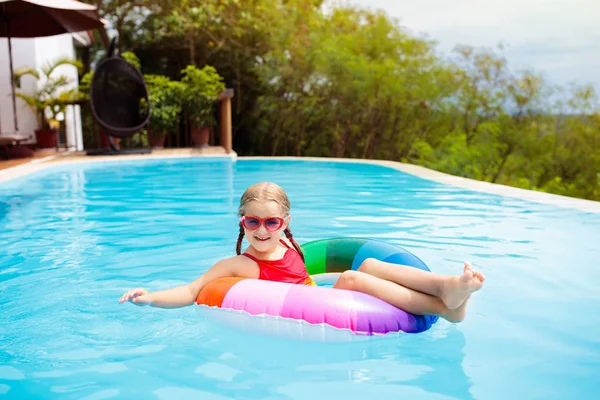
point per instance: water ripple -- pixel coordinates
(75, 238)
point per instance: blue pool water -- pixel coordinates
(73, 239)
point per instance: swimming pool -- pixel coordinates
(74, 238)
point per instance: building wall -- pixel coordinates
(23, 53)
(36, 53)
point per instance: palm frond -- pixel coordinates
(53, 85)
(49, 68)
(21, 72)
(31, 101)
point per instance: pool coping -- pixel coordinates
(78, 157)
(465, 183)
(416, 170)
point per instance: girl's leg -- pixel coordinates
(452, 290)
(404, 298)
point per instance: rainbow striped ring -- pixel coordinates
(360, 313)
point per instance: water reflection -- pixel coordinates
(266, 365)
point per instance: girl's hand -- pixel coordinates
(138, 296)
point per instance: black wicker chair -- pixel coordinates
(119, 101)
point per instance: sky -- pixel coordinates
(560, 39)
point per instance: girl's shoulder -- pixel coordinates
(239, 265)
(235, 260)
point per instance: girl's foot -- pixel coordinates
(457, 289)
(457, 314)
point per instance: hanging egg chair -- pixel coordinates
(119, 101)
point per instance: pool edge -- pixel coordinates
(465, 183)
(416, 170)
(22, 170)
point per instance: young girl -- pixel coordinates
(265, 215)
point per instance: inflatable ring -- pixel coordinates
(360, 313)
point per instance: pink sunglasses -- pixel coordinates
(271, 223)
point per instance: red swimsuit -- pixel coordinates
(289, 269)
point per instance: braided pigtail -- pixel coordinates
(238, 247)
(288, 234)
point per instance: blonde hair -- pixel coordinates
(266, 191)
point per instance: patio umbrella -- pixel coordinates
(40, 18)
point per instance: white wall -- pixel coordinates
(36, 53)
(23, 53)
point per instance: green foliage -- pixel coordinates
(200, 90)
(84, 85)
(353, 83)
(132, 59)
(166, 98)
(53, 91)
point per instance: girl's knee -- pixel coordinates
(347, 280)
(367, 264)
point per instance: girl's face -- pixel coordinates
(263, 224)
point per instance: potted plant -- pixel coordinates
(166, 97)
(201, 88)
(53, 93)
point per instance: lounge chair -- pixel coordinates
(10, 146)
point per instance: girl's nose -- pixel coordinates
(262, 229)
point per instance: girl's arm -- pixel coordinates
(185, 295)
